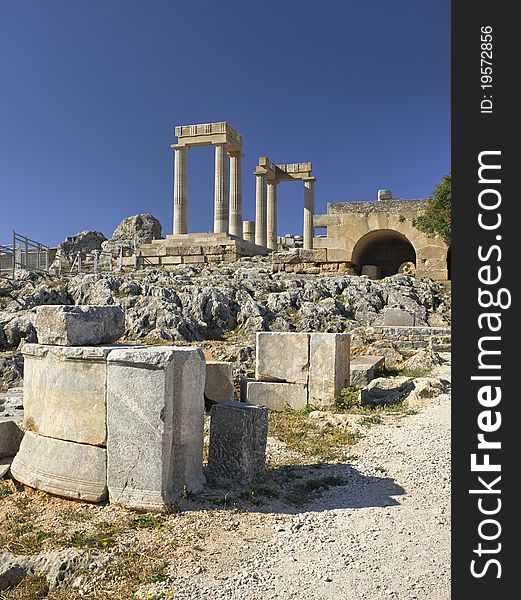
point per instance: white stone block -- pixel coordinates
(328, 367)
(218, 385)
(64, 325)
(277, 396)
(397, 317)
(282, 356)
(155, 421)
(63, 468)
(65, 392)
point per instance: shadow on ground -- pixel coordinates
(302, 488)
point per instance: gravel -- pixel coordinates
(384, 534)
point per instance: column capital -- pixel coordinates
(180, 147)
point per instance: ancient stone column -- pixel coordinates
(260, 209)
(309, 209)
(180, 193)
(271, 216)
(236, 194)
(220, 215)
(248, 229)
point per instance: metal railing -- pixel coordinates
(25, 253)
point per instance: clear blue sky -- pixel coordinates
(90, 91)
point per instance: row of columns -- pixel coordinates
(227, 192)
(266, 212)
(228, 199)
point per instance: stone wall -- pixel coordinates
(413, 338)
(354, 227)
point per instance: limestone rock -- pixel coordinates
(425, 389)
(276, 395)
(10, 436)
(5, 465)
(238, 437)
(155, 420)
(68, 469)
(397, 317)
(79, 325)
(138, 229)
(83, 242)
(57, 566)
(364, 368)
(331, 420)
(425, 359)
(65, 392)
(386, 390)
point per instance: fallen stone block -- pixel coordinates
(79, 325)
(218, 385)
(282, 356)
(57, 566)
(363, 370)
(397, 317)
(5, 464)
(328, 367)
(238, 436)
(277, 396)
(386, 390)
(155, 421)
(10, 436)
(65, 392)
(63, 468)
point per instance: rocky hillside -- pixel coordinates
(222, 302)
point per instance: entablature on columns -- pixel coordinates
(283, 172)
(209, 134)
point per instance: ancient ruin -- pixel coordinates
(268, 175)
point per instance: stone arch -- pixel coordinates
(385, 249)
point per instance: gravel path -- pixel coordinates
(385, 534)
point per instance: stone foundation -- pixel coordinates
(191, 248)
(413, 338)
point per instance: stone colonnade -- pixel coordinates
(228, 186)
(228, 175)
(268, 175)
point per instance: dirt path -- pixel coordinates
(385, 534)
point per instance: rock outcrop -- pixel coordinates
(211, 301)
(83, 242)
(135, 230)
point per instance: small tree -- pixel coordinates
(437, 217)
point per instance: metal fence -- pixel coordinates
(25, 253)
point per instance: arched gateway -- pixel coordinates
(385, 249)
(381, 234)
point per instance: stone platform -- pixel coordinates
(189, 248)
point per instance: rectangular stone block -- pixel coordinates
(171, 260)
(282, 356)
(364, 369)
(63, 468)
(10, 436)
(79, 325)
(277, 396)
(65, 395)
(338, 255)
(195, 258)
(238, 436)
(328, 367)
(155, 422)
(397, 317)
(219, 381)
